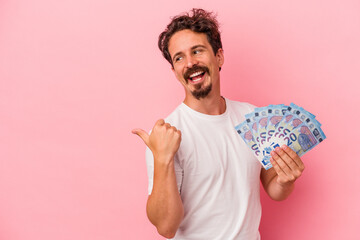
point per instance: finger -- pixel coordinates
(294, 156)
(288, 160)
(160, 122)
(277, 168)
(142, 134)
(284, 167)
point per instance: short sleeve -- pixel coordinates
(150, 171)
(150, 168)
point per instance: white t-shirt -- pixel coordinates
(217, 175)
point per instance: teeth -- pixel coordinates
(196, 74)
(196, 80)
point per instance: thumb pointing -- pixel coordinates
(142, 134)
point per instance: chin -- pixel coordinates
(202, 92)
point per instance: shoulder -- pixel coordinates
(240, 107)
(175, 115)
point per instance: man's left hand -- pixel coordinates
(287, 165)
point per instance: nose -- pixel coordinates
(191, 61)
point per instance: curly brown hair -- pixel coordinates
(198, 20)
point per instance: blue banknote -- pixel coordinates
(275, 116)
(275, 125)
(244, 130)
(303, 138)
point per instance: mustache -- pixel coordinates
(194, 69)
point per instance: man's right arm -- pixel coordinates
(164, 206)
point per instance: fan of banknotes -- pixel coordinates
(275, 125)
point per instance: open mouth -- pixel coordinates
(197, 77)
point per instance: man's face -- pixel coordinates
(194, 62)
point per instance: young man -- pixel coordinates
(204, 182)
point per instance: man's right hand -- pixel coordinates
(164, 206)
(164, 140)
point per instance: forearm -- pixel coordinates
(164, 205)
(277, 191)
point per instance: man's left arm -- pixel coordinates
(279, 181)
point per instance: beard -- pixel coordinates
(200, 92)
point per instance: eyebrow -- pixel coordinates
(192, 48)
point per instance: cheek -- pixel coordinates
(179, 76)
(178, 73)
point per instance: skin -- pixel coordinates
(185, 56)
(164, 206)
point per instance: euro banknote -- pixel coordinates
(269, 127)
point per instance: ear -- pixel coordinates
(220, 57)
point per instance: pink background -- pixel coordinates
(76, 76)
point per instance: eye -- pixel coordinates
(196, 51)
(178, 59)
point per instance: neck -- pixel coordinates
(213, 104)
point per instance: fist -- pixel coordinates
(164, 140)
